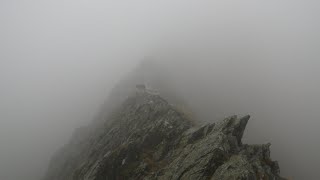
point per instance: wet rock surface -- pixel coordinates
(147, 138)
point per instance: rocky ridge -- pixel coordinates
(147, 138)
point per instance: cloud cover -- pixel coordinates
(59, 59)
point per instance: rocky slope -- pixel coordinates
(147, 138)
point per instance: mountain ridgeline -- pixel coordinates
(146, 137)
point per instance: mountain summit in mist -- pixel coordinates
(148, 138)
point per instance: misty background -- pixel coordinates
(60, 59)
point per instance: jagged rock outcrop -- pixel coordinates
(147, 138)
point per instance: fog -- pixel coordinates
(60, 59)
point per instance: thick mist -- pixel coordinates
(60, 59)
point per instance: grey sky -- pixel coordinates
(59, 59)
